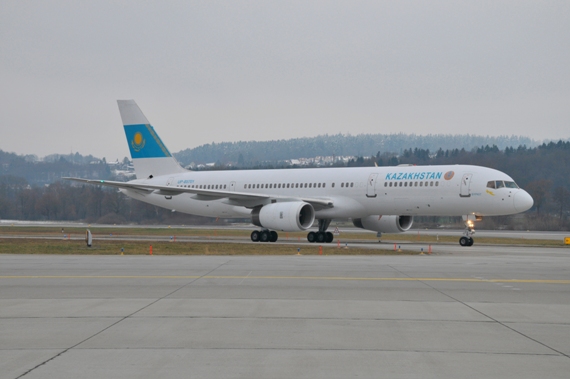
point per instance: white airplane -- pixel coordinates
(380, 199)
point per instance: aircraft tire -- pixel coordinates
(264, 236)
(464, 241)
(255, 236)
(273, 236)
(321, 237)
(329, 237)
(312, 237)
(470, 241)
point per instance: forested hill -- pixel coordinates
(253, 152)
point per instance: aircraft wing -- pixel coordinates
(245, 199)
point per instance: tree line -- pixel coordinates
(252, 153)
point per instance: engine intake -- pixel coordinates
(385, 224)
(290, 216)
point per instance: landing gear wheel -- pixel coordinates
(264, 237)
(255, 236)
(466, 241)
(321, 237)
(312, 237)
(273, 236)
(329, 237)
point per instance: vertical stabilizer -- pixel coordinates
(150, 156)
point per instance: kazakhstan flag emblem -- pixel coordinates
(138, 142)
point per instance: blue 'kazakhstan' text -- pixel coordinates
(413, 175)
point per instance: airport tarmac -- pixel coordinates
(457, 314)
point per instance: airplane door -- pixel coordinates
(371, 187)
(232, 186)
(169, 181)
(465, 190)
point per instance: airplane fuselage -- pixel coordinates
(355, 192)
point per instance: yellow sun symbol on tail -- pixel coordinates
(138, 142)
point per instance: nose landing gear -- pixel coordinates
(467, 239)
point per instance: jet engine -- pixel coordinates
(385, 224)
(290, 216)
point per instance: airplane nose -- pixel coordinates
(523, 201)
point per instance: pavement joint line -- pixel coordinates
(504, 324)
(405, 279)
(115, 323)
(411, 351)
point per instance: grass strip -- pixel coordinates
(39, 246)
(213, 234)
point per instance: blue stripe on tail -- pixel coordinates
(144, 142)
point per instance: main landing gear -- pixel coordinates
(264, 236)
(467, 239)
(322, 235)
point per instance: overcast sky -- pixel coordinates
(209, 71)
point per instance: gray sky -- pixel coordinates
(209, 71)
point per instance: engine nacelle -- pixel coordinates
(385, 224)
(291, 216)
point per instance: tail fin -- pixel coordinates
(150, 156)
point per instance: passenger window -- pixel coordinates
(351, 185)
(324, 185)
(437, 184)
(342, 184)
(405, 184)
(332, 185)
(421, 184)
(310, 185)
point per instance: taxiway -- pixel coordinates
(448, 315)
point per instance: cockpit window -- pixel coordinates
(501, 184)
